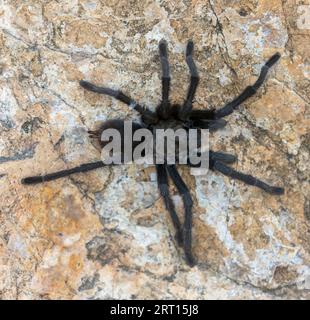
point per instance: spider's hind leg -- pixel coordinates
(63, 173)
(214, 156)
(221, 156)
(163, 186)
(246, 178)
(188, 205)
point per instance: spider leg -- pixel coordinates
(249, 91)
(215, 156)
(63, 173)
(212, 125)
(187, 106)
(246, 178)
(162, 180)
(221, 156)
(164, 108)
(202, 114)
(188, 205)
(148, 116)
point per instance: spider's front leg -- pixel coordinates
(148, 116)
(188, 104)
(231, 106)
(249, 91)
(164, 108)
(188, 205)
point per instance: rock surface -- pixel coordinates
(106, 234)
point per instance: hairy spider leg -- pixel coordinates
(188, 104)
(163, 109)
(222, 156)
(249, 91)
(215, 156)
(147, 115)
(188, 205)
(212, 125)
(246, 178)
(63, 173)
(202, 114)
(163, 186)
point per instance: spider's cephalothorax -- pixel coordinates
(167, 115)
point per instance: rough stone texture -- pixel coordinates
(106, 234)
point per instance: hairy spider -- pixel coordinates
(166, 115)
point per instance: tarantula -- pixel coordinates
(171, 115)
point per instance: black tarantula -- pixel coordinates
(171, 115)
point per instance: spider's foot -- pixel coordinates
(190, 260)
(276, 190)
(163, 48)
(189, 48)
(86, 85)
(273, 60)
(179, 238)
(32, 180)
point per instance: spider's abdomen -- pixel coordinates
(117, 133)
(119, 126)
